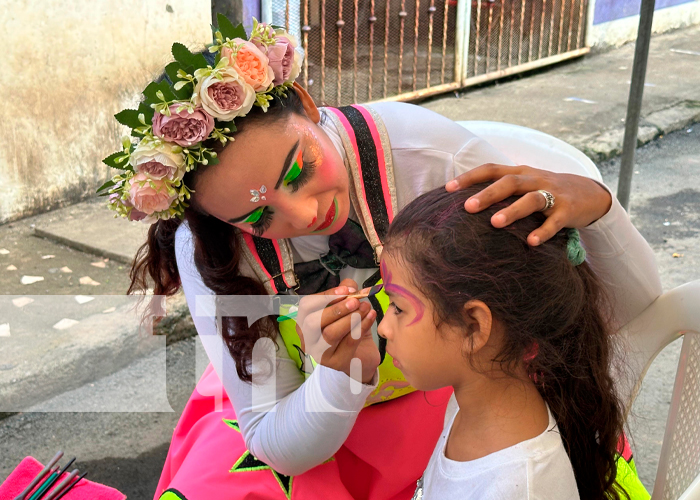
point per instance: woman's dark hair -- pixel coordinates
(216, 251)
(547, 307)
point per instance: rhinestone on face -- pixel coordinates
(256, 194)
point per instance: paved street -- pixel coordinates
(127, 450)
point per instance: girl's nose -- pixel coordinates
(383, 329)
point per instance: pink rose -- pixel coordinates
(251, 64)
(227, 98)
(183, 128)
(282, 57)
(150, 195)
(135, 215)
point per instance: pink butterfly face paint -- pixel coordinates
(393, 288)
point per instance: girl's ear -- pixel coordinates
(308, 103)
(479, 326)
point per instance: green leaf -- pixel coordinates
(229, 30)
(184, 92)
(212, 161)
(111, 161)
(128, 117)
(182, 55)
(106, 185)
(222, 125)
(147, 112)
(172, 69)
(153, 88)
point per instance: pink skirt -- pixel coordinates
(382, 458)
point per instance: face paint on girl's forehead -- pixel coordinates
(399, 290)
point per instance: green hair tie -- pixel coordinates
(574, 251)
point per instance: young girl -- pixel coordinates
(519, 333)
(298, 201)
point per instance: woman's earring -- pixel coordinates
(255, 193)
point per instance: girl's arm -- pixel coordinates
(283, 428)
(619, 255)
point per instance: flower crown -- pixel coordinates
(175, 119)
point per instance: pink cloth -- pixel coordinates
(27, 470)
(382, 458)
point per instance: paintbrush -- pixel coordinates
(62, 485)
(50, 482)
(70, 487)
(39, 476)
(45, 485)
(362, 294)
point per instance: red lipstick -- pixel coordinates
(330, 217)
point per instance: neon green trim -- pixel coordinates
(287, 492)
(172, 495)
(628, 479)
(247, 469)
(233, 424)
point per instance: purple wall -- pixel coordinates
(251, 9)
(610, 10)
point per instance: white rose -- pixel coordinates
(158, 160)
(227, 98)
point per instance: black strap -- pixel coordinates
(268, 256)
(369, 164)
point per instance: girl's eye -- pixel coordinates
(260, 220)
(299, 174)
(396, 309)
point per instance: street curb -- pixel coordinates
(83, 247)
(608, 144)
(104, 350)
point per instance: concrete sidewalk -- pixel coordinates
(584, 102)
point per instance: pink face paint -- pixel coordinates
(399, 290)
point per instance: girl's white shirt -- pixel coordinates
(428, 150)
(536, 469)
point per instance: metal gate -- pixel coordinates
(511, 36)
(370, 50)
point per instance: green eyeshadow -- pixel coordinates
(255, 216)
(294, 171)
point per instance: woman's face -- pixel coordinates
(429, 358)
(294, 172)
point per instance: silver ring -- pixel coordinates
(548, 199)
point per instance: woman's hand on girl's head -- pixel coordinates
(580, 201)
(334, 331)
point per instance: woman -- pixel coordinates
(285, 209)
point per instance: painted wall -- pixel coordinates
(68, 66)
(615, 22)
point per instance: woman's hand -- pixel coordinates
(334, 331)
(579, 200)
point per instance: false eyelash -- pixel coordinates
(304, 177)
(263, 224)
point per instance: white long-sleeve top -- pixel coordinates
(428, 150)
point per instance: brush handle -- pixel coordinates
(47, 484)
(65, 492)
(39, 476)
(57, 490)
